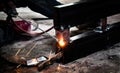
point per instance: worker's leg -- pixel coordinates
(44, 7)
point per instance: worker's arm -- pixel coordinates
(8, 7)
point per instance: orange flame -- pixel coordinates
(62, 42)
(62, 38)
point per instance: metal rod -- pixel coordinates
(19, 50)
(30, 50)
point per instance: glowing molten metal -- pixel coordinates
(63, 37)
(61, 42)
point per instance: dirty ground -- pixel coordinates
(105, 61)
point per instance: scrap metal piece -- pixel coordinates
(35, 61)
(32, 62)
(40, 59)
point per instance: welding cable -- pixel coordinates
(28, 33)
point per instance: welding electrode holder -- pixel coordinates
(50, 61)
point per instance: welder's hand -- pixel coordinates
(10, 9)
(11, 12)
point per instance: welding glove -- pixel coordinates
(10, 8)
(11, 12)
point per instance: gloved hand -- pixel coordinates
(10, 9)
(11, 12)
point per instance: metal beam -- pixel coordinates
(78, 13)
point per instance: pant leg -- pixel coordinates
(44, 7)
(20, 3)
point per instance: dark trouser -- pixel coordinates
(44, 7)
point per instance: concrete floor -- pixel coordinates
(45, 23)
